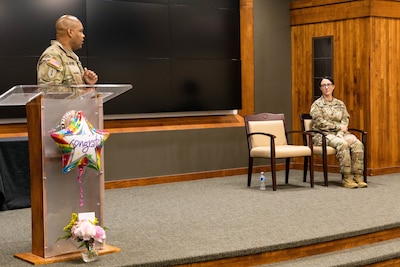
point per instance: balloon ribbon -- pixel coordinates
(80, 186)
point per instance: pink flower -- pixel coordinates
(85, 230)
(100, 234)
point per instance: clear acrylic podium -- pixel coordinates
(55, 195)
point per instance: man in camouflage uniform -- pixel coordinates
(59, 64)
(330, 115)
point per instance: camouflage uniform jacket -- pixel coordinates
(327, 116)
(58, 65)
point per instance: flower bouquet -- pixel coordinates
(86, 232)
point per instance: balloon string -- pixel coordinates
(80, 187)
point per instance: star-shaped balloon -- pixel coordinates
(80, 144)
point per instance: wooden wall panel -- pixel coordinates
(366, 66)
(384, 84)
(247, 55)
(351, 69)
(324, 12)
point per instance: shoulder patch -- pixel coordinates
(53, 62)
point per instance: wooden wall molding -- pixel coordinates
(13, 130)
(319, 11)
(173, 124)
(19, 130)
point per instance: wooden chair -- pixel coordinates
(324, 150)
(267, 138)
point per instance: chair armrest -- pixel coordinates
(358, 130)
(301, 132)
(362, 132)
(296, 132)
(272, 141)
(311, 133)
(267, 134)
(324, 134)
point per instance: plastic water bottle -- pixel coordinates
(262, 181)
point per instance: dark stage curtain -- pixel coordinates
(14, 175)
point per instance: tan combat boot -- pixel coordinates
(359, 180)
(348, 182)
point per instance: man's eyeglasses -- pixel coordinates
(326, 85)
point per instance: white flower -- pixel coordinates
(85, 230)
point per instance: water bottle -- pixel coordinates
(262, 181)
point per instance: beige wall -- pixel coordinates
(272, 45)
(151, 154)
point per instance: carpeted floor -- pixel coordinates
(177, 223)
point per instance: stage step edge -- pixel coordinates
(367, 255)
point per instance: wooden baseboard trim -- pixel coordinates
(186, 177)
(172, 178)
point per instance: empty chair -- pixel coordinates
(267, 138)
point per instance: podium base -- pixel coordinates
(37, 260)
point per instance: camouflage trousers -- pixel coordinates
(349, 151)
